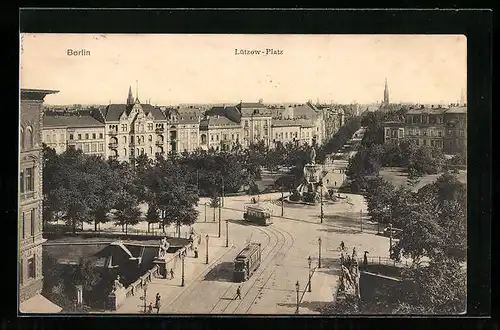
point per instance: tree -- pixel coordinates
(379, 197)
(127, 212)
(214, 203)
(86, 274)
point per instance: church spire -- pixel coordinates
(137, 92)
(386, 93)
(462, 98)
(130, 98)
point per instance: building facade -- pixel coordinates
(31, 193)
(434, 126)
(82, 132)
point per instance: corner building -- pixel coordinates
(30, 197)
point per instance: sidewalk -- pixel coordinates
(170, 289)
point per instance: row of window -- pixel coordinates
(79, 136)
(432, 143)
(90, 147)
(424, 119)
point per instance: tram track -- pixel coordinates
(221, 306)
(261, 288)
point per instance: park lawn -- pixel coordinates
(397, 176)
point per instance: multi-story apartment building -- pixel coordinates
(183, 130)
(30, 201)
(82, 132)
(219, 132)
(285, 131)
(256, 122)
(455, 139)
(440, 127)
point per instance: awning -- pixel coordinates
(39, 304)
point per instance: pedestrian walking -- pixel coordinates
(342, 259)
(354, 254)
(158, 303)
(238, 293)
(150, 308)
(172, 273)
(196, 252)
(365, 258)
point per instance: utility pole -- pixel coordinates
(222, 179)
(206, 260)
(205, 211)
(182, 279)
(321, 202)
(227, 233)
(220, 210)
(390, 240)
(282, 200)
(361, 219)
(319, 252)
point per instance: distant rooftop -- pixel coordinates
(71, 121)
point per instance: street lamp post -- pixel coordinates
(319, 252)
(321, 202)
(182, 275)
(227, 233)
(282, 200)
(390, 240)
(206, 260)
(205, 211)
(220, 211)
(361, 219)
(297, 288)
(309, 284)
(222, 179)
(145, 288)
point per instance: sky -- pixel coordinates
(182, 68)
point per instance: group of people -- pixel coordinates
(156, 306)
(348, 260)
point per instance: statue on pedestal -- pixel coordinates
(312, 159)
(116, 284)
(162, 252)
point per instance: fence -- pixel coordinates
(139, 284)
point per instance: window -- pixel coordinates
(22, 138)
(86, 136)
(101, 147)
(31, 267)
(33, 222)
(94, 147)
(23, 226)
(211, 137)
(424, 132)
(100, 136)
(79, 136)
(150, 150)
(142, 138)
(124, 139)
(440, 133)
(425, 142)
(417, 142)
(150, 127)
(232, 137)
(49, 138)
(29, 183)
(286, 135)
(225, 136)
(54, 138)
(124, 127)
(71, 136)
(29, 137)
(142, 151)
(86, 148)
(131, 139)
(94, 136)
(150, 138)
(217, 137)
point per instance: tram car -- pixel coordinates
(246, 262)
(258, 215)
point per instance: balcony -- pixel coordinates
(159, 143)
(113, 145)
(28, 195)
(113, 133)
(159, 130)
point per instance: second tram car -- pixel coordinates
(246, 262)
(258, 214)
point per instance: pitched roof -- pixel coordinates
(114, 111)
(305, 110)
(431, 111)
(457, 110)
(232, 112)
(285, 123)
(243, 105)
(218, 121)
(71, 121)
